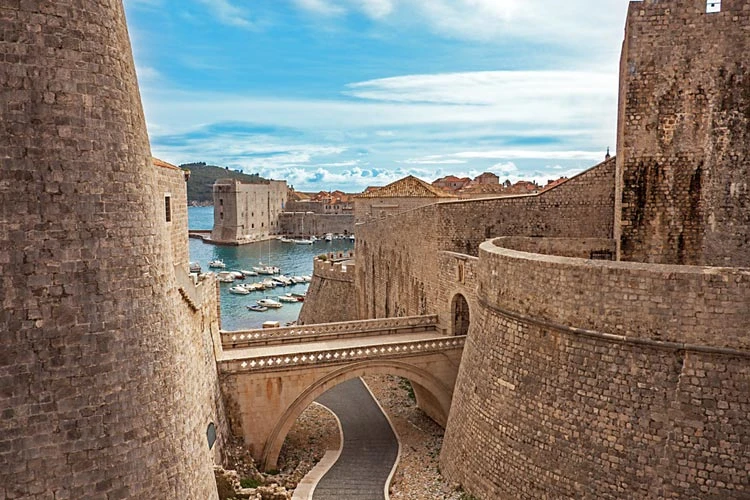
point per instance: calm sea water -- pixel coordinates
(294, 260)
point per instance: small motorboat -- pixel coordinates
(270, 303)
(297, 279)
(257, 308)
(307, 278)
(248, 273)
(238, 275)
(328, 237)
(195, 267)
(287, 298)
(282, 280)
(217, 264)
(303, 242)
(267, 270)
(255, 287)
(225, 277)
(239, 290)
(268, 283)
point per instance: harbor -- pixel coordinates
(292, 261)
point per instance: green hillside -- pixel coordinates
(202, 178)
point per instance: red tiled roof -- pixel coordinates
(161, 163)
(408, 187)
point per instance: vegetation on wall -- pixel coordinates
(202, 178)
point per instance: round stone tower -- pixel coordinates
(92, 400)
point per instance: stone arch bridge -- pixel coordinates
(268, 377)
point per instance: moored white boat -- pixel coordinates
(288, 298)
(257, 308)
(270, 303)
(268, 283)
(303, 242)
(217, 264)
(225, 277)
(255, 287)
(239, 290)
(283, 280)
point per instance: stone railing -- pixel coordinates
(306, 333)
(342, 355)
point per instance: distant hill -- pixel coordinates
(202, 178)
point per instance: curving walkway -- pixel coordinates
(370, 447)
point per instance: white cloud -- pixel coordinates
(320, 7)
(489, 87)
(566, 102)
(433, 160)
(227, 13)
(353, 180)
(376, 9)
(147, 74)
(569, 22)
(515, 154)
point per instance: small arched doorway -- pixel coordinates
(460, 310)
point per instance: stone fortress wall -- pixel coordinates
(245, 212)
(684, 134)
(171, 180)
(306, 223)
(584, 377)
(377, 208)
(105, 390)
(331, 294)
(398, 269)
(596, 379)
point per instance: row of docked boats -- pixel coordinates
(267, 303)
(313, 239)
(265, 284)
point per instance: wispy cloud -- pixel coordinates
(570, 23)
(228, 13)
(320, 7)
(488, 87)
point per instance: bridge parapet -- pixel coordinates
(342, 355)
(306, 333)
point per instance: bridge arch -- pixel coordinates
(440, 397)
(460, 315)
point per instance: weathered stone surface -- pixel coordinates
(331, 295)
(245, 212)
(106, 383)
(684, 134)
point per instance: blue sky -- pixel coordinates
(344, 94)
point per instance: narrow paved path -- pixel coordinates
(370, 447)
